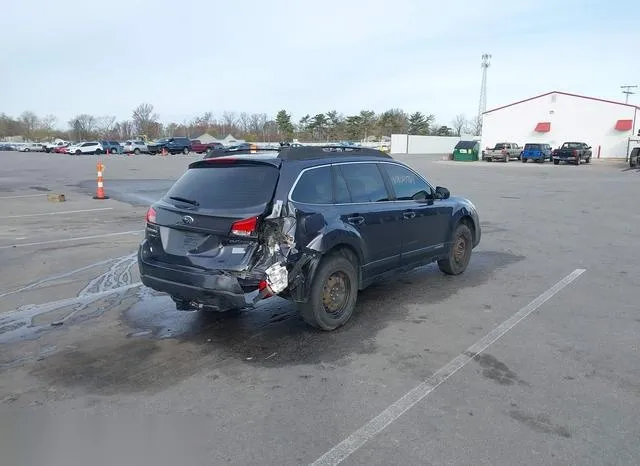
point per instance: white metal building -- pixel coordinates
(556, 117)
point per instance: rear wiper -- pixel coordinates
(182, 199)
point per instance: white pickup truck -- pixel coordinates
(502, 151)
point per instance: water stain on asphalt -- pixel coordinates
(540, 423)
(152, 346)
(494, 369)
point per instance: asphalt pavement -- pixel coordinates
(529, 357)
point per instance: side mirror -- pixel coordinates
(442, 193)
(588, 147)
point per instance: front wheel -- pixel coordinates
(98, 152)
(136, 151)
(587, 160)
(523, 160)
(334, 293)
(459, 252)
(556, 162)
(185, 151)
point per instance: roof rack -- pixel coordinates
(307, 152)
(320, 152)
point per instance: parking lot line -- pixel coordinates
(59, 213)
(357, 439)
(77, 238)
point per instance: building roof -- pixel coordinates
(561, 93)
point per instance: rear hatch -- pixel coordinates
(210, 217)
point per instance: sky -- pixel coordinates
(259, 56)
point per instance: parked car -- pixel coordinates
(311, 224)
(503, 151)
(201, 148)
(574, 152)
(6, 147)
(31, 147)
(634, 157)
(90, 147)
(175, 145)
(536, 152)
(135, 147)
(62, 149)
(113, 147)
(51, 147)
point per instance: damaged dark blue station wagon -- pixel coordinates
(311, 224)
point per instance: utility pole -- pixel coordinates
(482, 106)
(626, 90)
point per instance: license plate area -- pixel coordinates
(181, 243)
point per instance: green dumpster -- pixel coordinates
(466, 151)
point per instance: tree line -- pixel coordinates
(329, 126)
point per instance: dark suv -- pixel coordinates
(172, 146)
(311, 224)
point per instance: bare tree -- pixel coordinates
(30, 123)
(459, 124)
(83, 126)
(243, 122)
(104, 126)
(229, 120)
(145, 120)
(476, 126)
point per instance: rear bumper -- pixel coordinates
(218, 289)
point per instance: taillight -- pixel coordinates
(244, 227)
(151, 215)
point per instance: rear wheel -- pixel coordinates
(523, 160)
(136, 151)
(460, 252)
(185, 151)
(587, 160)
(556, 162)
(334, 293)
(98, 152)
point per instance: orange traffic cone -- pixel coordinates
(100, 191)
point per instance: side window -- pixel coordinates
(406, 184)
(364, 181)
(340, 187)
(314, 187)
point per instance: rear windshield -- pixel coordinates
(532, 147)
(226, 186)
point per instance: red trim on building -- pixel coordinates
(561, 93)
(543, 127)
(624, 125)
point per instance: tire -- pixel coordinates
(460, 252)
(577, 162)
(136, 151)
(185, 151)
(98, 152)
(333, 270)
(78, 152)
(489, 159)
(523, 160)
(587, 160)
(556, 162)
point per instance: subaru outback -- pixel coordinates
(311, 224)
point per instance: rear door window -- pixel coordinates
(226, 186)
(314, 187)
(364, 181)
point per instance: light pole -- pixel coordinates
(626, 90)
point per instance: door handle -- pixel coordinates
(356, 220)
(409, 214)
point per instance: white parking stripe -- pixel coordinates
(77, 238)
(58, 213)
(357, 439)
